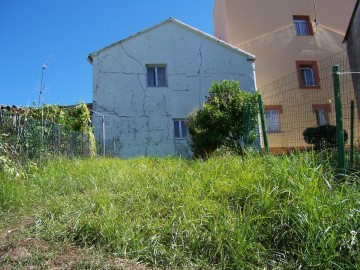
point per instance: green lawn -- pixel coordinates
(257, 212)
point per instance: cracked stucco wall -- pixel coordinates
(139, 119)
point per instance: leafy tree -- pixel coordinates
(221, 121)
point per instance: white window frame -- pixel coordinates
(182, 128)
(156, 75)
(321, 112)
(273, 123)
(302, 25)
(321, 117)
(307, 76)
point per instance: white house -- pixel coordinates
(148, 83)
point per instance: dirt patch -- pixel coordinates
(21, 250)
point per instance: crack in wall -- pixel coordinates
(144, 98)
(200, 66)
(128, 55)
(118, 115)
(174, 65)
(97, 78)
(147, 136)
(95, 90)
(102, 108)
(180, 90)
(165, 105)
(200, 54)
(177, 74)
(129, 73)
(147, 126)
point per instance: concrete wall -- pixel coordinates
(139, 119)
(265, 29)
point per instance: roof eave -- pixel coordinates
(195, 30)
(90, 58)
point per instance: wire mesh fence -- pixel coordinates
(23, 138)
(305, 99)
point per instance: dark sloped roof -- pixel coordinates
(351, 20)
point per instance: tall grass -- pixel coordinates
(224, 213)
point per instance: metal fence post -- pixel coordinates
(339, 118)
(247, 112)
(352, 122)
(263, 124)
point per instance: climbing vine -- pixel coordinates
(37, 133)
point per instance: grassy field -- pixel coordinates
(258, 212)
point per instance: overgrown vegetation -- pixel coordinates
(254, 212)
(32, 135)
(222, 122)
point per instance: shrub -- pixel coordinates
(322, 137)
(221, 121)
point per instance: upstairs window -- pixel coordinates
(303, 25)
(308, 74)
(180, 129)
(156, 75)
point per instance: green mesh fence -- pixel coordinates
(23, 138)
(305, 100)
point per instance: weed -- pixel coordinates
(252, 212)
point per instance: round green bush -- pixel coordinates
(322, 137)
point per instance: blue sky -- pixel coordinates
(33, 30)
